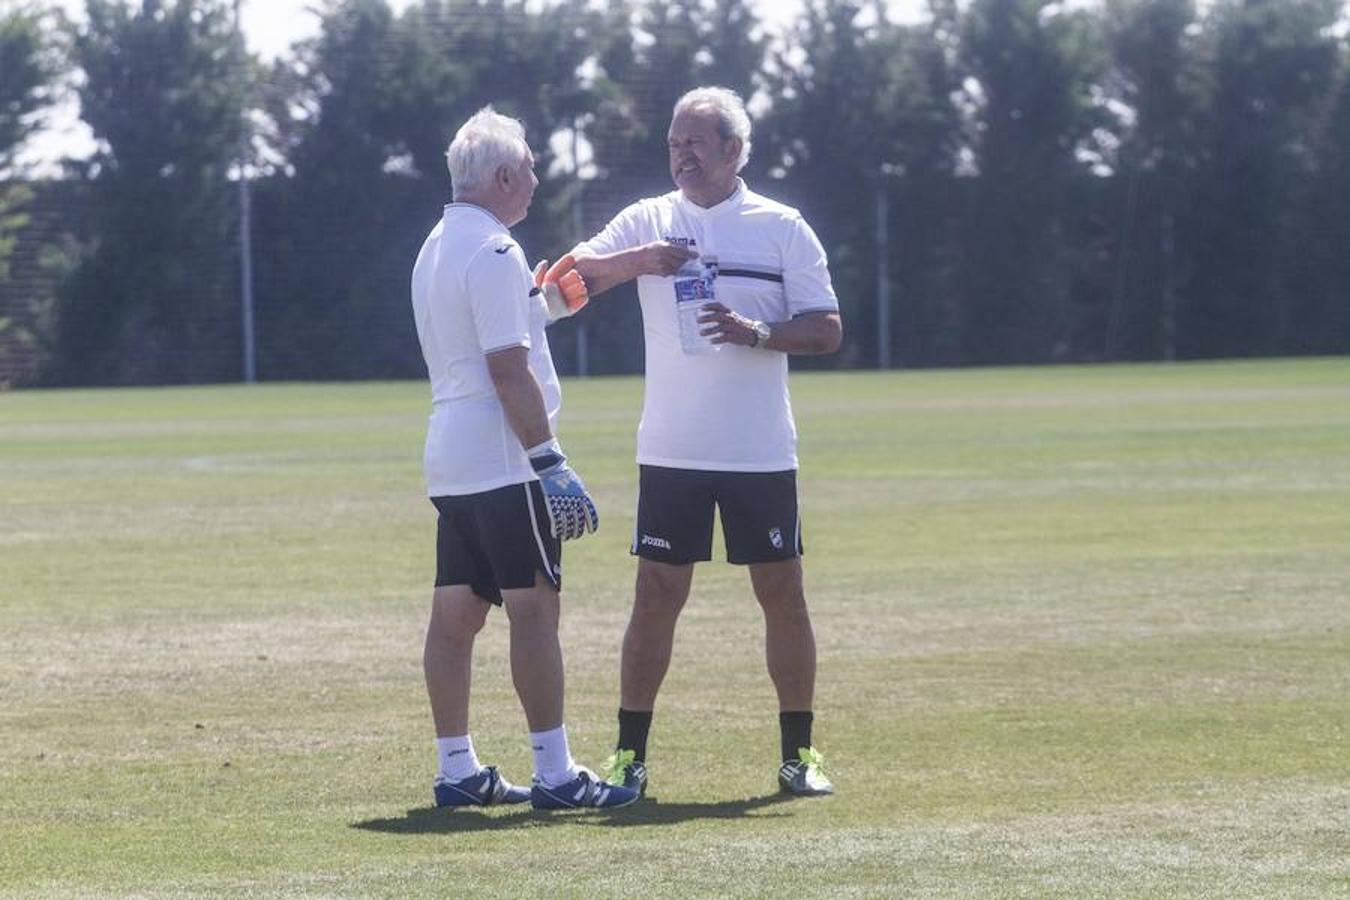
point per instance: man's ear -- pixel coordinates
(734, 145)
(503, 177)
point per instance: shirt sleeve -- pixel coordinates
(622, 233)
(498, 287)
(806, 273)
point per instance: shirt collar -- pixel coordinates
(731, 202)
(459, 204)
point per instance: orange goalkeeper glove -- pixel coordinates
(563, 288)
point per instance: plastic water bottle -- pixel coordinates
(694, 286)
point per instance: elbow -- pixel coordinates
(831, 336)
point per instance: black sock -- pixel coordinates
(633, 728)
(796, 731)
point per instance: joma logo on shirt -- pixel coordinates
(680, 241)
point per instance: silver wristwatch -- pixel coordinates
(762, 333)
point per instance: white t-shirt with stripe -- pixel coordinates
(472, 293)
(730, 410)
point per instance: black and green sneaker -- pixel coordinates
(625, 770)
(805, 775)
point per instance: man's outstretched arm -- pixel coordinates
(612, 269)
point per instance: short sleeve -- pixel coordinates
(622, 233)
(806, 273)
(498, 285)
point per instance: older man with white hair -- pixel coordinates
(504, 491)
(731, 283)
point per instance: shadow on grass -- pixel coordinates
(651, 811)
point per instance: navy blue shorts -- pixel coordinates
(496, 541)
(760, 521)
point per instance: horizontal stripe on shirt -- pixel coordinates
(723, 272)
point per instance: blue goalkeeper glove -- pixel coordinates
(571, 511)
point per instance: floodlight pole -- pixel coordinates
(882, 232)
(583, 343)
(1169, 297)
(245, 225)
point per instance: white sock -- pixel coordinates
(458, 761)
(552, 759)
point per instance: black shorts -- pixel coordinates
(496, 541)
(675, 515)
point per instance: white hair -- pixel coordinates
(732, 119)
(485, 143)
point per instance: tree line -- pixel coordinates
(1026, 181)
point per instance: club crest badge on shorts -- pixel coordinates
(776, 537)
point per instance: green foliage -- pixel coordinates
(27, 71)
(858, 108)
(1272, 64)
(324, 230)
(1320, 296)
(455, 57)
(1160, 79)
(29, 67)
(27, 330)
(1035, 64)
(153, 298)
(12, 218)
(1135, 179)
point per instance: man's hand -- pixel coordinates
(726, 326)
(564, 289)
(571, 511)
(807, 334)
(663, 258)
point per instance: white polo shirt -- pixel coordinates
(471, 295)
(730, 410)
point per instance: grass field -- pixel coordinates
(1084, 632)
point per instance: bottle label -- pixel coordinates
(695, 285)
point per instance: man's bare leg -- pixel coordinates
(660, 595)
(537, 671)
(536, 654)
(789, 641)
(457, 615)
(790, 650)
